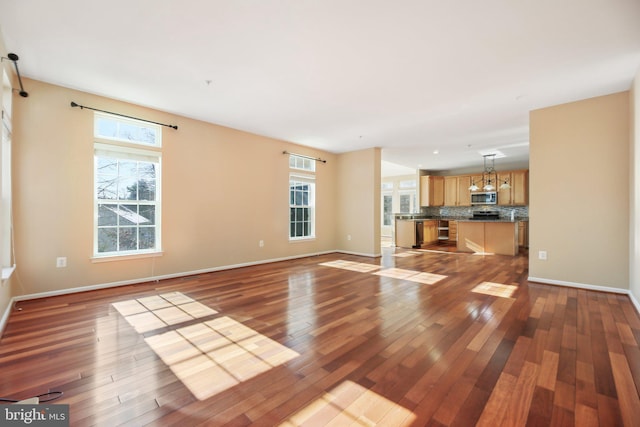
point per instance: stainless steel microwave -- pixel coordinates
(484, 198)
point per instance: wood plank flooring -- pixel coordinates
(413, 338)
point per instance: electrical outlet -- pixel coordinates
(348, 236)
(261, 243)
(542, 255)
(61, 262)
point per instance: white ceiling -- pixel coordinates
(410, 76)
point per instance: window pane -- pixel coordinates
(147, 237)
(107, 187)
(112, 127)
(106, 128)
(128, 214)
(127, 189)
(107, 215)
(107, 239)
(387, 201)
(107, 166)
(128, 239)
(127, 168)
(405, 203)
(147, 214)
(146, 189)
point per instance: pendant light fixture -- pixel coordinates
(489, 176)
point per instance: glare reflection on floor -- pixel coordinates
(351, 404)
(495, 289)
(208, 357)
(411, 275)
(352, 266)
(396, 273)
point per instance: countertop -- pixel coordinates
(416, 217)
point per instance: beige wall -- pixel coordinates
(579, 187)
(358, 202)
(634, 224)
(222, 191)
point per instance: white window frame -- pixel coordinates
(124, 121)
(311, 205)
(6, 204)
(128, 151)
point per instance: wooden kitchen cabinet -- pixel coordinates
(430, 231)
(518, 194)
(431, 190)
(523, 234)
(520, 187)
(405, 235)
(464, 195)
(451, 191)
(456, 190)
(487, 237)
(453, 231)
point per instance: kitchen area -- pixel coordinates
(483, 213)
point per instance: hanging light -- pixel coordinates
(505, 184)
(489, 176)
(474, 186)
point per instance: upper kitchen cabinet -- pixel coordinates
(451, 191)
(464, 195)
(431, 190)
(456, 191)
(518, 194)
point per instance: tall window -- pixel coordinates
(387, 209)
(301, 198)
(127, 187)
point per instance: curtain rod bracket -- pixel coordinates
(74, 104)
(14, 58)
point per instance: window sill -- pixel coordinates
(109, 258)
(302, 239)
(7, 272)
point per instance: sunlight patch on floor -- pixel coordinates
(208, 357)
(396, 273)
(213, 356)
(411, 275)
(351, 404)
(495, 289)
(406, 254)
(155, 312)
(351, 266)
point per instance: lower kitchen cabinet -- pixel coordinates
(523, 234)
(430, 231)
(453, 231)
(488, 237)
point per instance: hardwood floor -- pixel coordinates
(417, 337)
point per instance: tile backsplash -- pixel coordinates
(467, 211)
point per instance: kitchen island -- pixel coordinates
(488, 236)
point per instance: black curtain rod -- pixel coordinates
(14, 58)
(73, 104)
(317, 159)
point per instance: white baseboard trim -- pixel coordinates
(626, 292)
(5, 315)
(172, 276)
(635, 302)
(360, 254)
(578, 285)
